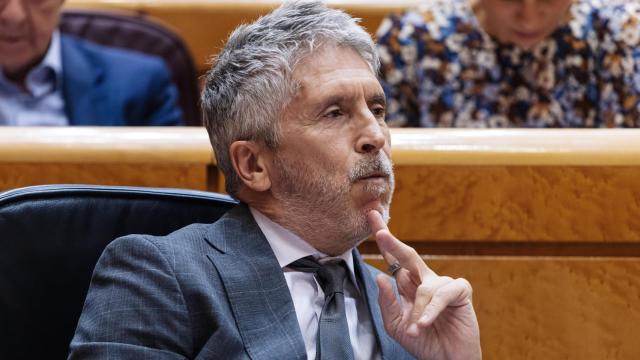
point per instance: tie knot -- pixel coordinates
(330, 274)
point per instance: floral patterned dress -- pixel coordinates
(440, 69)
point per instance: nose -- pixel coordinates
(372, 134)
(528, 12)
(12, 12)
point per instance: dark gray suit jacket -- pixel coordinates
(207, 291)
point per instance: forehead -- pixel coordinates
(545, 3)
(330, 68)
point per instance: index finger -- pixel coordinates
(376, 222)
(393, 249)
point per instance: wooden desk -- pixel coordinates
(551, 308)
(565, 188)
(205, 25)
(492, 192)
(544, 223)
(160, 157)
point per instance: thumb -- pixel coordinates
(390, 309)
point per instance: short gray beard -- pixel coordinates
(317, 210)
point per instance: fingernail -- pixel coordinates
(413, 330)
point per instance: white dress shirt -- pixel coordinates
(308, 297)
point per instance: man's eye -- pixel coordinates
(378, 111)
(334, 113)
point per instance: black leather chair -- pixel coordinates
(50, 239)
(136, 32)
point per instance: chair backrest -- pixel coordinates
(135, 32)
(50, 239)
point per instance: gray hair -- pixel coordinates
(251, 81)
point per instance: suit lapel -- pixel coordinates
(81, 90)
(256, 288)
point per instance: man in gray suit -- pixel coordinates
(296, 117)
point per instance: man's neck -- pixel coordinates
(321, 238)
(18, 78)
(316, 229)
(287, 245)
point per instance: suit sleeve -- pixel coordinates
(134, 308)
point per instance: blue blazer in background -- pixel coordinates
(207, 291)
(109, 87)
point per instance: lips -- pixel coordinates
(11, 41)
(374, 176)
(375, 184)
(373, 168)
(375, 171)
(13, 32)
(530, 35)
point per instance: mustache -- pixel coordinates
(377, 165)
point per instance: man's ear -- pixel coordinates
(249, 160)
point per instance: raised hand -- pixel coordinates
(435, 318)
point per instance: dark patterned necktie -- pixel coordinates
(333, 341)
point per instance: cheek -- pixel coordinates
(502, 19)
(44, 22)
(560, 13)
(387, 152)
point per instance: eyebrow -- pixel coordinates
(377, 98)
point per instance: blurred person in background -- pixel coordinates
(48, 78)
(513, 63)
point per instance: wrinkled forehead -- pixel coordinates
(334, 77)
(324, 54)
(535, 3)
(331, 63)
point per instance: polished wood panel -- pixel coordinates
(135, 145)
(517, 248)
(517, 203)
(205, 25)
(452, 185)
(578, 185)
(151, 175)
(551, 308)
(516, 147)
(155, 157)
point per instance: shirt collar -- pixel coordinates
(289, 247)
(53, 58)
